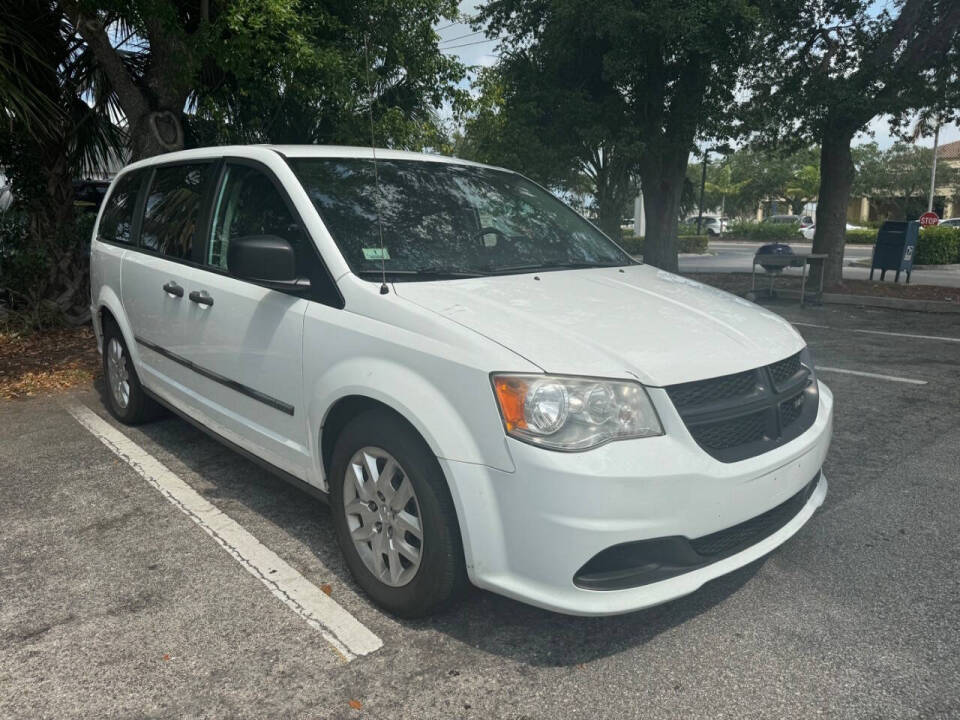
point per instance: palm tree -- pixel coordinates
(58, 111)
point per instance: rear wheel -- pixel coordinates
(394, 516)
(126, 399)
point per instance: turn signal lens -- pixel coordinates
(571, 413)
(510, 394)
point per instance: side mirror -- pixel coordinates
(268, 260)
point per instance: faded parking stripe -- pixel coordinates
(345, 633)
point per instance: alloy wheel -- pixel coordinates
(117, 376)
(383, 516)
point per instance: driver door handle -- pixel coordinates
(201, 297)
(172, 288)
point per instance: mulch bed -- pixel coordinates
(739, 283)
(47, 361)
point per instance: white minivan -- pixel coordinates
(482, 385)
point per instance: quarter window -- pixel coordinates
(172, 214)
(116, 224)
(250, 204)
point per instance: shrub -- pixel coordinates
(766, 232)
(633, 244)
(938, 246)
(46, 282)
(867, 236)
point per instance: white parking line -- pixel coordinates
(877, 376)
(908, 335)
(941, 338)
(345, 633)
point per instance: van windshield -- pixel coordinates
(441, 220)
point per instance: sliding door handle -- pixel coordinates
(201, 297)
(172, 288)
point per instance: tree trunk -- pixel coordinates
(154, 109)
(836, 178)
(662, 175)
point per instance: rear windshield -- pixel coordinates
(441, 220)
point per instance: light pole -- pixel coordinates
(933, 170)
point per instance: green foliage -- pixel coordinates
(616, 91)
(27, 284)
(900, 174)
(633, 244)
(867, 236)
(298, 72)
(766, 232)
(938, 246)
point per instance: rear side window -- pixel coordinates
(117, 221)
(172, 215)
(249, 205)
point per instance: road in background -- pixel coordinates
(727, 256)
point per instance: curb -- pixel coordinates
(928, 306)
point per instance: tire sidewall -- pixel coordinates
(441, 565)
(134, 409)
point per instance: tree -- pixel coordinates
(722, 183)
(899, 176)
(73, 136)
(647, 77)
(549, 111)
(278, 70)
(836, 66)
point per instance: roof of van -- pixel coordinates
(308, 151)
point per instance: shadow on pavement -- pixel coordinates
(482, 620)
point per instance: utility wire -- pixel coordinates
(461, 37)
(478, 42)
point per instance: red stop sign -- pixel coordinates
(929, 218)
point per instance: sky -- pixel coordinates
(460, 40)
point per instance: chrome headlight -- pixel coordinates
(573, 413)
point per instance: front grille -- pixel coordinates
(641, 562)
(734, 417)
(705, 391)
(730, 433)
(750, 532)
(792, 409)
(784, 370)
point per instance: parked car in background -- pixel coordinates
(806, 221)
(711, 224)
(950, 222)
(88, 195)
(782, 219)
(808, 232)
(480, 383)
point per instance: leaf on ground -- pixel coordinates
(165, 657)
(326, 589)
(356, 704)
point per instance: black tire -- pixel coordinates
(441, 576)
(139, 407)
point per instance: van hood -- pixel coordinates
(613, 322)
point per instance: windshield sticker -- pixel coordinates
(376, 254)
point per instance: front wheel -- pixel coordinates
(394, 516)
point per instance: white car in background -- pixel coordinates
(950, 222)
(808, 232)
(481, 384)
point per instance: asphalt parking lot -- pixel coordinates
(115, 603)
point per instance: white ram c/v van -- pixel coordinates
(481, 383)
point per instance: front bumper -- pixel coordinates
(527, 533)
